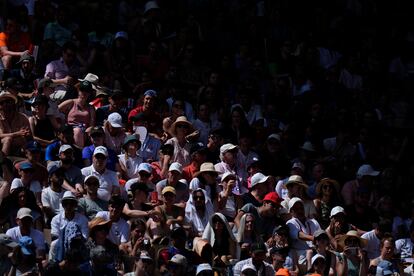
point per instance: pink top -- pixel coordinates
(77, 117)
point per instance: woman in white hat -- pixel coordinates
(180, 129)
(352, 260)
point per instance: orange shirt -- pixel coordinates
(19, 43)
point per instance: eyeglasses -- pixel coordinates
(327, 187)
(144, 174)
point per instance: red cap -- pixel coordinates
(273, 197)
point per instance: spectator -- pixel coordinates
(90, 204)
(80, 115)
(53, 194)
(173, 179)
(114, 134)
(13, 43)
(108, 180)
(198, 211)
(374, 238)
(352, 259)
(14, 126)
(130, 160)
(40, 124)
(257, 260)
(25, 75)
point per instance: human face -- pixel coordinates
(69, 56)
(33, 155)
(83, 95)
(249, 224)
(67, 156)
(258, 258)
(39, 109)
(273, 145)
(230, 157)
(92, 188)
(181, 129)
(298, 210)
(327, 189)
(70, 206)
(97, 140)
(236, 118)
(387, 250)
(144, 176)
(203, 112)
(173, 177)
(7, 106)
(270, 208)
(148, 102)
(169, 198)
(178, 108)
(22, 198)
(132, 148)
(99, 161)
(319, 265)
(352, 242)
(11, 26)
(293, 190)
(27, 66)
(218, 226)
(199, 199)
(114, 212)
(25, 223)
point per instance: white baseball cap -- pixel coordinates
(115, 119)
(179, 260)
(337, 210)
(100, 150)
(24, 212)
(176, 167)
(258, 178)
(146, 167)
(203, 267)
(298, 165)
(293, 201)
(366, 170)
(68, 195)
(274, 136)
(64, 148)
(227, 174)
(121, 34)
(317, 256)
(248, 267)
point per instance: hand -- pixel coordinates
(22, 132)
(247, 245)
(169, 222)
(69, 80)
(25, 52)
(79, 190)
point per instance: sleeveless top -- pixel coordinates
(77, 117)
(44, 129)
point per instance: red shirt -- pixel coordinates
(154, 119)
(19, 43)
(189, 171)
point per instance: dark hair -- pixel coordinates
(388, 238)
(116, 201)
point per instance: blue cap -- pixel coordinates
(26, 166)
(26, 245)
(33, 146)
(151, 93)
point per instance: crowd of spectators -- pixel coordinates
(182, 137)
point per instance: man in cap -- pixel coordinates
(14, 126)
(114, 132)
(228, 157)
(33, 154)
(64, 135)
(297, 169)
(198, 153)
(265, 215)
(148, 109)
(138, 198)
(90, 204)
(73, 175)
(173, 179)
(69, 213)
(97, 136)
(301, 229)
(116, 104)
(6, 247)
(144, 175)
(257, 261)
(24, 220)
(204, 269)
(108, 180)
(177, 265)
(25, 75)
(53, 194)
(258, 189)
(364, 177)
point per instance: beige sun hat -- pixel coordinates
(181, 120)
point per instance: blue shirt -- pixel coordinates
(87, 153)
(149, 149)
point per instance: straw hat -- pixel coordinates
(97, 221)
(181, 120)
(352, 234)
(330, 181)
(296, 179)
(206, 167)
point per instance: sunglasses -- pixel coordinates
(182, 126)
(198, 197)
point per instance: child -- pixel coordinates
(130, 160)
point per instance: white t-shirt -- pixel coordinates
(107, 181)
(52, 199)
(296, 226)
(36, 235)
(373, 245)
(131, 164)
(35, 186)
(404, 247)
(119, 230)
(281, 189)
(60, 221)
